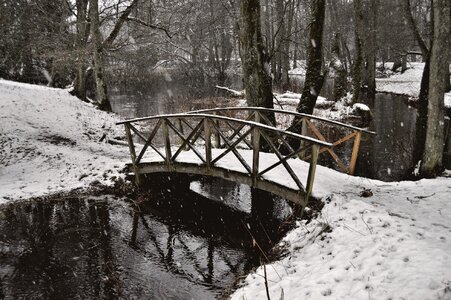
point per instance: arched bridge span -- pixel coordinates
(244, 145)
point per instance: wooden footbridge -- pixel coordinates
(247, 145)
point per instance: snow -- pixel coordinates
(407, 83)
(394, 244)
(360, 106)
(50, 142)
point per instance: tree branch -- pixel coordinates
(117, 27)
(413, 26)
(141, 22)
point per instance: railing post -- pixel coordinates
(131, 147)
(303, 132)
(355, 152)
(216, 135)
(207, 131)
(255, 149)
(167, 143)
(311, 172)
(180, 128)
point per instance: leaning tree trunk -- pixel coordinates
(99, 65)
(435, 140)
(314, 78)
(257, 80)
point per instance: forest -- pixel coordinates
(99, 46)
(273, 149)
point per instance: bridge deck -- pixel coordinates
(277, 180)
(232, 148)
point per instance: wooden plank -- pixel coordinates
(336, 143)
(167, 143)
(355, 152)
(318, 134)
(131, 147)
(311, 172)
(231, 147)
(186, 142)
(283, 161)
(207, 132)
(255, 149)
(217, 138)
(181, 130)
(149, 141)
(237, 132)
(284, 112)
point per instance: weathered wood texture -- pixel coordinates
(170, 135)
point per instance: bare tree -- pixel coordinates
(314, 78)
(257, 80)
(433, 151)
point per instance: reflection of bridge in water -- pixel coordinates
(200, 247)
(176, 246)
(242, 145)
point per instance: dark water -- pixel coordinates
(171, 246)
(389, 155)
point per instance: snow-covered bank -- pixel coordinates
(393, 245)
(50, 142)
(407, 83)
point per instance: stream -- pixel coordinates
(174, 245)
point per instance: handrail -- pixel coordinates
(238, 133)
(296, 114)
(239, 121)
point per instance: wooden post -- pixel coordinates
(217, 136)
(207, 131)
(311, 172)
(303, 132)
(355, 152)
(131, 147)
(167, 143)
(255, 150)
(180, 128)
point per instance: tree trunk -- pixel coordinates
(408, 17)
(314, 78)
(435, 140)
(340, 80)
(358, 59)
(80, 75)
(371, 48)
(257, 80)
(99, 66)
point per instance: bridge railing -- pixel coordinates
(170, 136)
(334, 132)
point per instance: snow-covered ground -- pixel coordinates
(50, 142)
(407, 83)
(395, 244)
